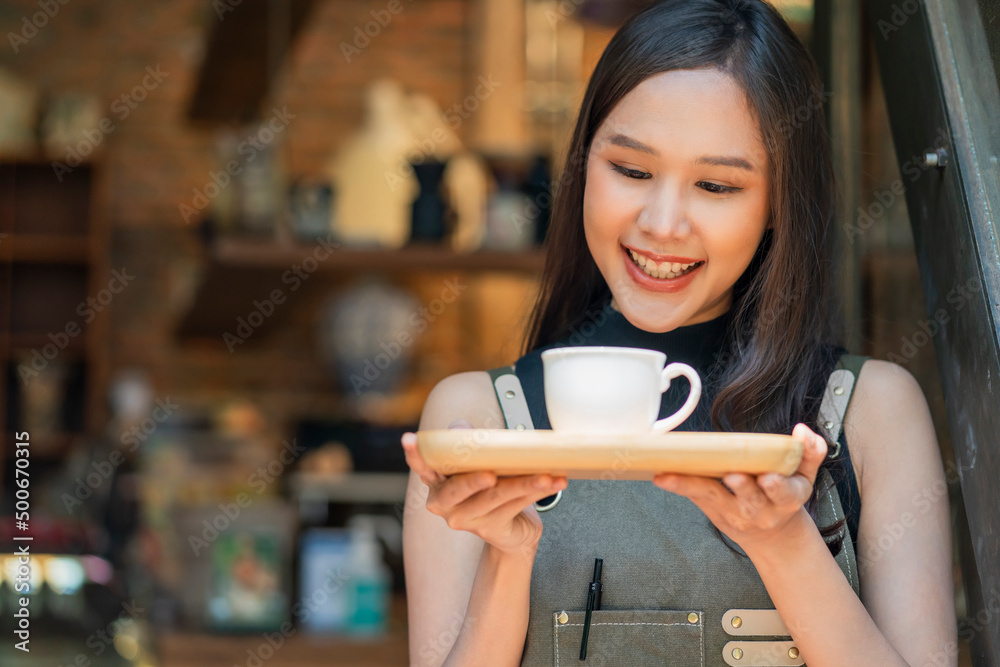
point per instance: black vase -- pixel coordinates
(429, 208)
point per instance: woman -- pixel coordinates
(694, 219)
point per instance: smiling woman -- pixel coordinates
(683, 191)
(695, 214)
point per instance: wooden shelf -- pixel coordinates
(53, 257)
(361, 487)
(239, 271)
(75, 347)
(45, 249)
(300, 649)
(269, 255)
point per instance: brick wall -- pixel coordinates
(155, 157)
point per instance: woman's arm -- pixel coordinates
(468, 599)
(467, 602)
(904, 543)
(908, 613)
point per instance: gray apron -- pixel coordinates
(676, 591)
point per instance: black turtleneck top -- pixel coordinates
(701, 346)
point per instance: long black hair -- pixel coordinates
(779, 351)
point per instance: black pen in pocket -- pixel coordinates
(593, 602)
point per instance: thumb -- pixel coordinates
(813, 451)
(460, 423)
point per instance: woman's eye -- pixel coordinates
(718, 189)
(630, 173)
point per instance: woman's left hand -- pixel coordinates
(753, 510)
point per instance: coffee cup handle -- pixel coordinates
(670, 372)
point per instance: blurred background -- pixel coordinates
(241, 240)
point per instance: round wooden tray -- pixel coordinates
(607, 456)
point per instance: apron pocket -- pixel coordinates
(634, 637)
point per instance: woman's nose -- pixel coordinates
(664, 214)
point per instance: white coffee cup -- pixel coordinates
(604, 389)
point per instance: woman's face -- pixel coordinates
(677, 182)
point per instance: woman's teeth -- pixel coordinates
(664, 270)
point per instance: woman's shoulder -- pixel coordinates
(465, 396)
(885, 393)
(888, 425)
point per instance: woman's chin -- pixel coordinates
(648, 312)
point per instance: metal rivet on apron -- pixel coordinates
(793, 652)
(838, 390)
(737, 653)
(519, 427)
(737, 621)
(692, 617)
(509, 394)
(827, 425)
(563, 617)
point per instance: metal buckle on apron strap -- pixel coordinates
(834, 406)
(546, 507)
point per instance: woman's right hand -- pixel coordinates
(499, 510)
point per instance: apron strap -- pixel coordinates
(510, 394)
(839, 389)
(511, 398)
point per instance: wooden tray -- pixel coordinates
(603, 456)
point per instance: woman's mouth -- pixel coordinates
(661, 271)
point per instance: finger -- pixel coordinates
(458, 488)
(416, 462)
(783, 491)
(702, 491)
(460, 423)
(750, 498)
(509, 489)
(814, 451)
(512, 508)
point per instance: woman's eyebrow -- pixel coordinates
(715, 160)
(725, 161)
(629, 142)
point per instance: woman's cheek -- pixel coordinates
(603, 209)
